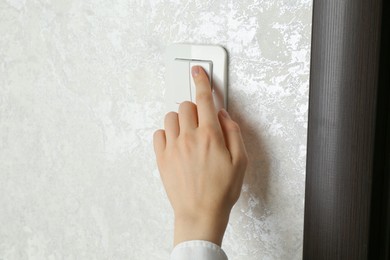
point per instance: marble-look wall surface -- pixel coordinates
(81, 93)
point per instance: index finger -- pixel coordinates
(207, 113)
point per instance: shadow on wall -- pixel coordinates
(258, 172)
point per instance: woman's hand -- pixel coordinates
(202, 160)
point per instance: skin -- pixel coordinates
(202, 161)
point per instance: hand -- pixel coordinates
(202, 161)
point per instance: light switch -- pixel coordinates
(180, 58)
(181, 81)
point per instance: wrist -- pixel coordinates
(209, 229)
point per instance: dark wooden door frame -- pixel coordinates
(347, 175)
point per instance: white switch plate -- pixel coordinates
(179, 83)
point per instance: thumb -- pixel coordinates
(233, 138)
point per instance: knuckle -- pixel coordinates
(186, 135)
(204, 97)
(186, 105)
(170, 115)
(234, 127)
(158, 133)
(208, 135)
(241, 160)
(209, 130)
(187, 141)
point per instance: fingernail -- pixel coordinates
(195, 71)
(224, 113)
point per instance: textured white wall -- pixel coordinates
(81, 92)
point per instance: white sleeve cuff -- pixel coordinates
(198, 250)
